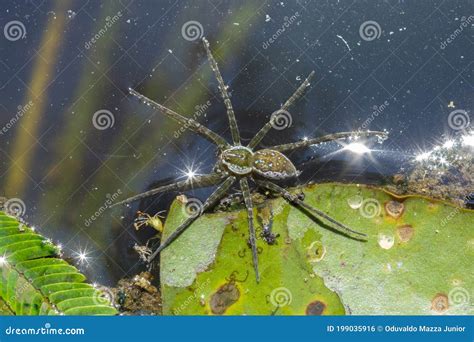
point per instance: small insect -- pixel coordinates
(238, 163)
(144, 219)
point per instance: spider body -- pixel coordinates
(242, 161)
(237, 163)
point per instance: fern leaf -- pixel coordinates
(34, 280)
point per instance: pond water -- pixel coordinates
(73, 140)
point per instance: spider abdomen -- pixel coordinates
(273, 165)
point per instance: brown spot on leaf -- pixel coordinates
(405, 233)
(224, 297)
(315, 308)
(394, 209)
(440, 303)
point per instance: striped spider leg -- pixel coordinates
(241, 163)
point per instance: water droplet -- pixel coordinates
(355, 202)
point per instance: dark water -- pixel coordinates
(75, 58)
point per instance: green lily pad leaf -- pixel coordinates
(417, 258)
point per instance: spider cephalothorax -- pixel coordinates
(241, 163)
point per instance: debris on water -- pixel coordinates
(445, 172)
(137, 295)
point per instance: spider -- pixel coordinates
(238, 163)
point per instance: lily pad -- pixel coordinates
(417, 259)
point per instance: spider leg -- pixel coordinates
(187, 122)
(325, 138)
(225, 95)
(244, 185)
(294, 199)
(213, 198)
(196, 182)
(296, 95)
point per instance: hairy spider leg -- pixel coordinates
(234, 130)
(326, 138)
(293, 98)
(244, 185)
(211, 200)
(200, 181)
(187, 122)
(294, 199)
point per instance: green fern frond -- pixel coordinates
(34, 280)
